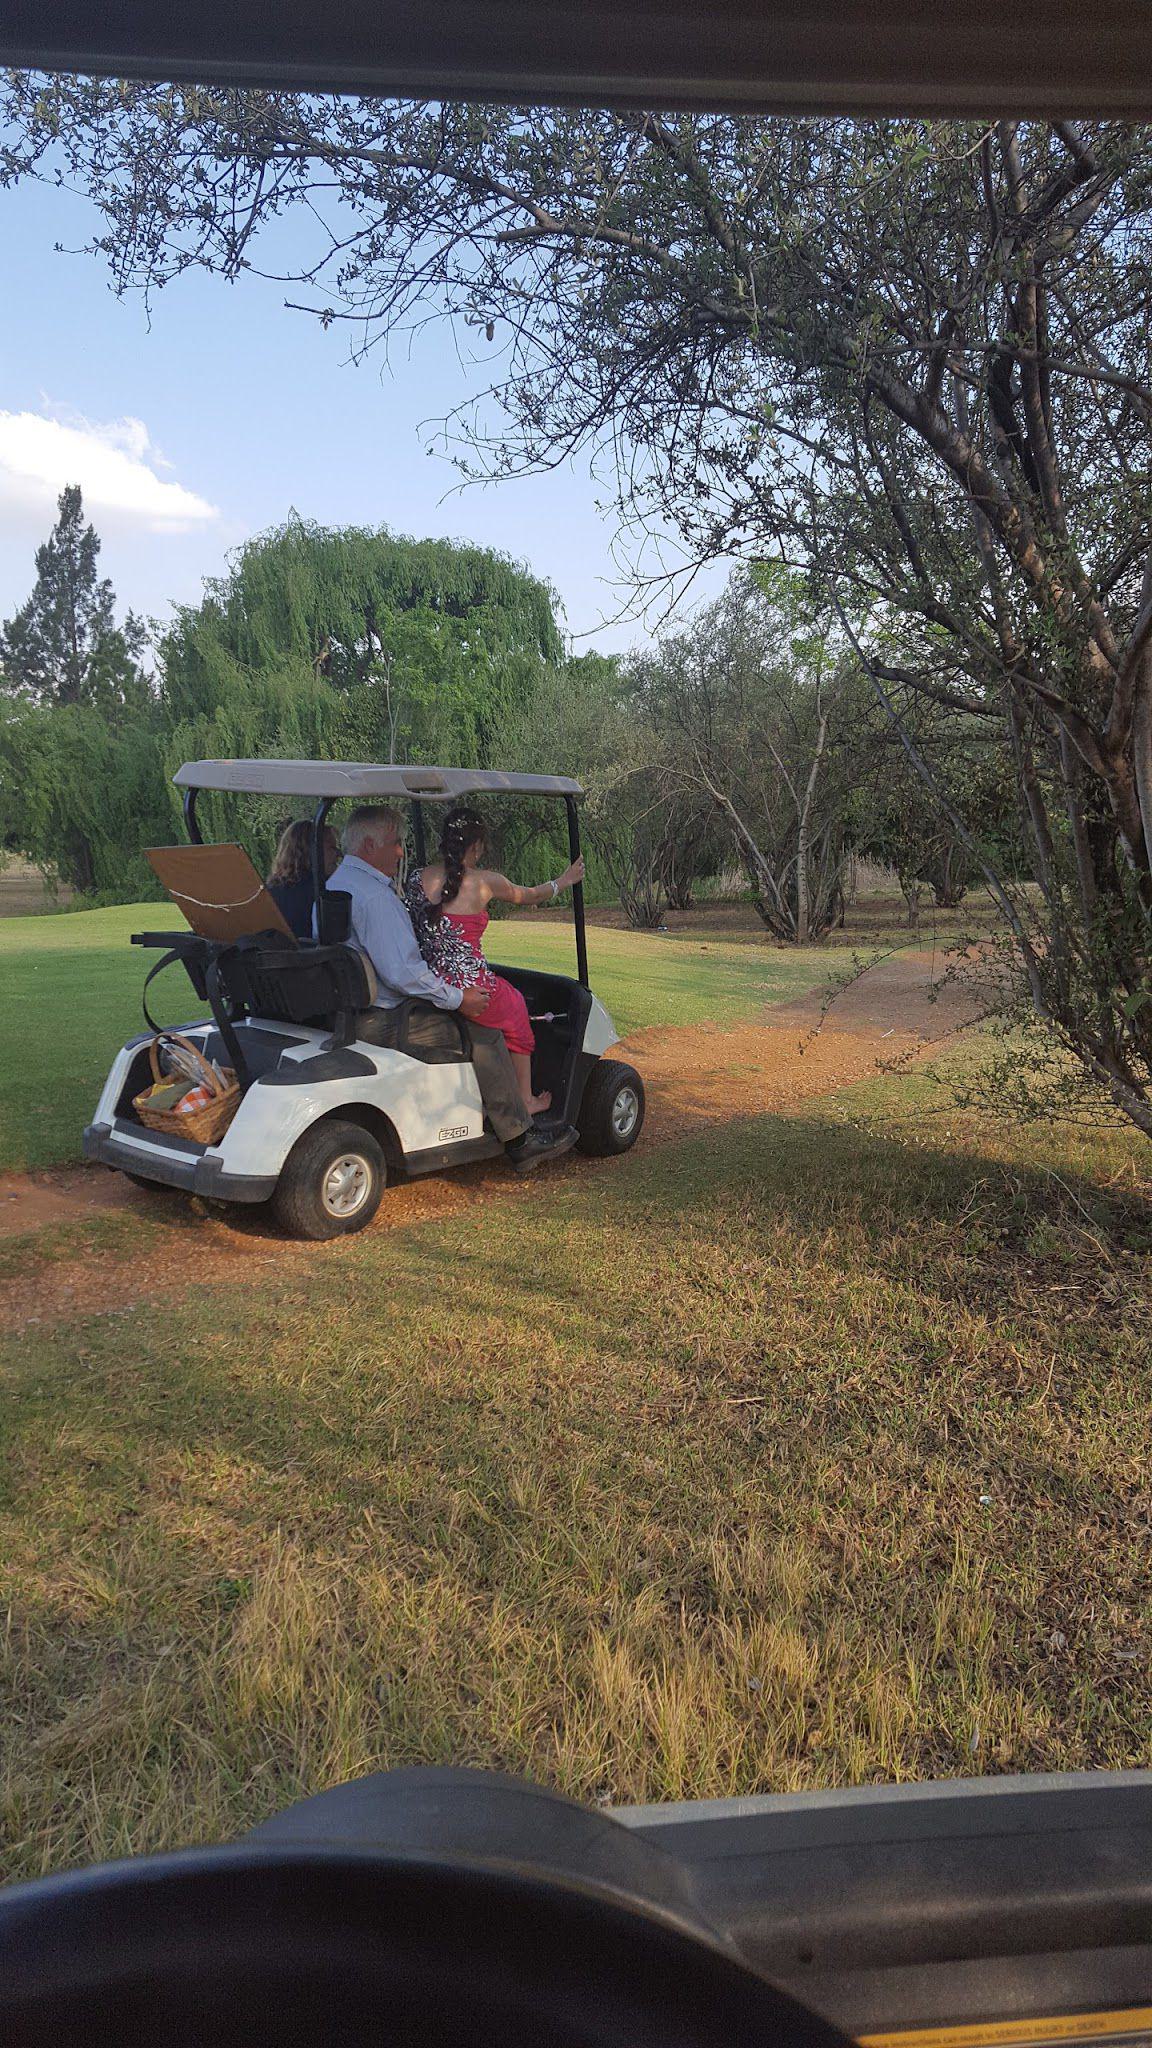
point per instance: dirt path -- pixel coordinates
(694, 1076)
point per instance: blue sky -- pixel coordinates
(212, 421)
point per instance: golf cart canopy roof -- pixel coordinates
(364, 780)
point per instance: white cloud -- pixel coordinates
(113, 461)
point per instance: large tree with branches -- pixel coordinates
(912, 358)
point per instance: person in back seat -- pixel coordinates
(382, 930)
(290, 877)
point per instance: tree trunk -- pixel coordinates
(804, 838)
(1142, 727)
(78, 862)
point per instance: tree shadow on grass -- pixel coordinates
(909, 1370)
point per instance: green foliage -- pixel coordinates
(81, 795)
(317, 643)
(757, 712)
(326, 598)
(81, 788)
(63, 646)
(897, 817)
(360, 645)
(429, 644)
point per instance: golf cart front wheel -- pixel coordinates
(331, 1182)
(612, 1111)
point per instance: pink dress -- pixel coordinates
(507, 1011)
(453, 946)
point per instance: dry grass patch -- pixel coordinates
(798, 1456)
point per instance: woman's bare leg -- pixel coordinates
(532, 1103)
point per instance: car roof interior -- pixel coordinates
(948, 57)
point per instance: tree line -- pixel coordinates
(745, 738)
(349, 643)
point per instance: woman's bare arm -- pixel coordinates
(497, 887)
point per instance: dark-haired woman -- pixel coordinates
(290, 882)
(448, 904)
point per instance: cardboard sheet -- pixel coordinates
(218, 890)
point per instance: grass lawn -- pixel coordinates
(811, 1454)
(70, 994)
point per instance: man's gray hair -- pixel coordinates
(367, 821)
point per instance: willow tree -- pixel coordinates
(911, 357)
(429, 647)
(82, 796)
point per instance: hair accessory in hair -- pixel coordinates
(462, 829)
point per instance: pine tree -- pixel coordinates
(64, 646)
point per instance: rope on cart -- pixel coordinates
(184, 897)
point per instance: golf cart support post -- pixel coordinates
(366, 782)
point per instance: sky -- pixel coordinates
(211, 415)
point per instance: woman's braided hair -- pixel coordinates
(462, 828)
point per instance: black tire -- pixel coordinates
(311, 1190)
(612, 1111)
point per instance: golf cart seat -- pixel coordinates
(305, 983)
(288, 981)
(266, 975)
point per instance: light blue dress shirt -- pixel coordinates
(382, 930)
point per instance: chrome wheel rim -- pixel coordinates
(347, 1185)
(625, 1111)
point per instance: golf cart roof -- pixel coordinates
(363, 780)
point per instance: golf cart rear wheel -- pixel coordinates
(612, 1111)
(331, 1182)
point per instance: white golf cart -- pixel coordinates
(325, 1119)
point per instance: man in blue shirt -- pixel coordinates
(381, 929)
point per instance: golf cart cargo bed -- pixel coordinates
(262, 1052)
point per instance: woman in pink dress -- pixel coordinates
(448, 904)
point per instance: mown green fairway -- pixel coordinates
(70, 995)
(805, 1455)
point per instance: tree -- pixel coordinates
(756, 710)
(897, 818)
(83, 796)
(429, 646)
(909, 357)
(356, 643)
(63, 646)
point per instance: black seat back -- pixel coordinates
(295, 984)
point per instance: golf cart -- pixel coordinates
(324, 1119)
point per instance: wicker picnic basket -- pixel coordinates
(207, 1122)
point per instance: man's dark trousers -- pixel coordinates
(435, 1036)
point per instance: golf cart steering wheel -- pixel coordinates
(544, 1925)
